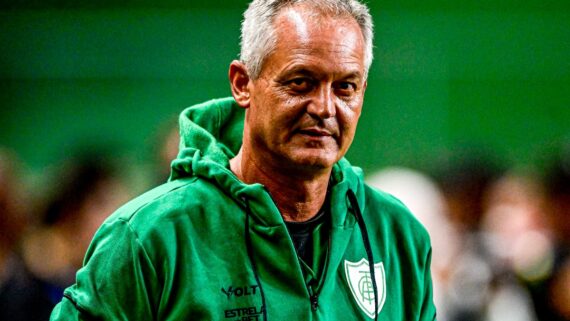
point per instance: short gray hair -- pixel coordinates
(258, 36)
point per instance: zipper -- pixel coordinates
(314, 298)
(314, 295)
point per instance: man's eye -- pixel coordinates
(345, 88)
(300, 84)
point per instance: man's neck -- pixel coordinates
(299, 197)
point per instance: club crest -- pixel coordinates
(360, 284)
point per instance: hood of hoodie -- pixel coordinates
(211, 134)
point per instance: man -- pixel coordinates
(263, 219)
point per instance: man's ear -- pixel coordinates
(239, 81)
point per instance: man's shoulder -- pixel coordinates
(387, 210)
(180, 197)
(163, 194)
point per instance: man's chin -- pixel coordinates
(313, 162)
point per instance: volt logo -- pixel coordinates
(240, 291)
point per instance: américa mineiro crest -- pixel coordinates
(360, 283)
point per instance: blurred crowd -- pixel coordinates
(47, 221)
(501, 238)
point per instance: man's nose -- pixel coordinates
(322, 105)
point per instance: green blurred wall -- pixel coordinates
(493, 74)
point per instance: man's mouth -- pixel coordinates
(315, 132)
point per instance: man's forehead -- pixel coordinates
(304, 14)
(300, 23)
(308, 39)
(308, 24)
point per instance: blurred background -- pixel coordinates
(466, 119)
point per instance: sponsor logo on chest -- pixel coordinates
(247, 313)
(244, 314)
(240, 291)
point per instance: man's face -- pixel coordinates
(306, 102)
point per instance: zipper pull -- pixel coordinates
(314, 302)
(314, 298)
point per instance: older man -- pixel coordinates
(263, 219)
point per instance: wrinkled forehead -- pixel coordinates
(308, 22)
(306, 12)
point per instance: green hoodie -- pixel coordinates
(205, 246)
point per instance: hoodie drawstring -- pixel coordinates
(249, 247)
(367, 246)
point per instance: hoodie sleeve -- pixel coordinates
(428, 310)
(117, 282)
